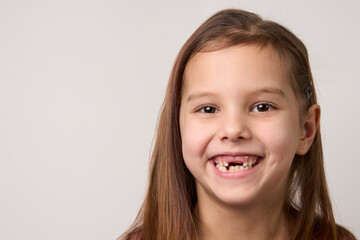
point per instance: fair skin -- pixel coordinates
(240, 129)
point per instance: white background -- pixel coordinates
(81, 84)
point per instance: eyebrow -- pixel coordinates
(276, 91)
(194, 96)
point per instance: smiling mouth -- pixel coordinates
(235, 164)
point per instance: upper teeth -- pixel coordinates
(224, 166)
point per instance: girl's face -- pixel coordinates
(240, 126)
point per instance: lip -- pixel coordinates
(239, 174)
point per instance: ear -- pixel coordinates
(309, 128)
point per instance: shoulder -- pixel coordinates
(134, 236)
(138, 237)
(344, 234)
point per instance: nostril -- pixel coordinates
(234, 136)
(234, 126)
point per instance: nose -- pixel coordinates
(234, 127)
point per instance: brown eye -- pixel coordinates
(208, 109)
(262, 107)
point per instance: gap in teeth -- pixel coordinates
(235, 166)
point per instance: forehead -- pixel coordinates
(242, 62)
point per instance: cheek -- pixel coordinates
(195, 138)
(281, 140)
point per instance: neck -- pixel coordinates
(217, 221)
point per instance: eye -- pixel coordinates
(262, 107)
(207, 109)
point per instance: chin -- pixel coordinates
(234, 198)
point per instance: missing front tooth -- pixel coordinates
(233, 164)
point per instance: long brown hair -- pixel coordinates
(167, 212)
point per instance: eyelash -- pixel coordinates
(202, 109)
(214, 109)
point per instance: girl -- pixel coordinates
(238, 150)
